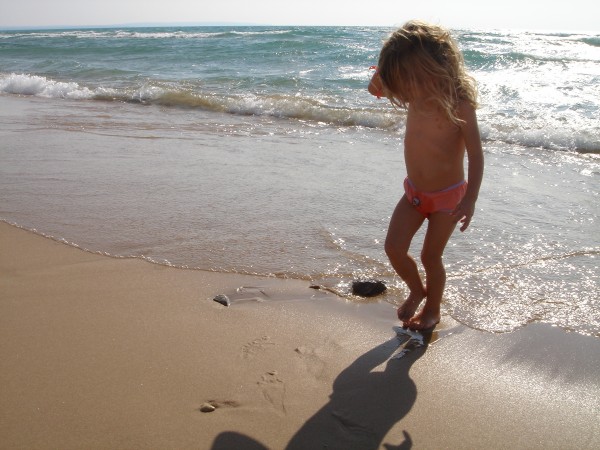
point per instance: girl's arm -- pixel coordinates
(470, 131)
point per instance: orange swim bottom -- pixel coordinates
(428, 203)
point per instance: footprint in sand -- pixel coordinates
(253, 347)
(273, 389)
(313, 363)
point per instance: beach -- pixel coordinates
(141, 142)
(102, 352)
(145, 172)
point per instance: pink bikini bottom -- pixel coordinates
(428, 203)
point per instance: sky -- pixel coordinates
(534, 15)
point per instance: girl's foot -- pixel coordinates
(407, 310)
(424, 321)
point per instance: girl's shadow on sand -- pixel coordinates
(363, 407)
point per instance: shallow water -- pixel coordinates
(288, 167)
(270, 196)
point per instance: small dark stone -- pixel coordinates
(368, 288)
(207, 407)
(222, 299)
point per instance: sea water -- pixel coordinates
(259, 150)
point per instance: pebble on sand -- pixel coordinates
(222, 299)
(207, 407)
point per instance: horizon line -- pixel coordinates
(251, 24)
(167, 24)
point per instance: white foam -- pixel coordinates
(23, 84)
(147, 93)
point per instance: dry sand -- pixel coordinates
(105, 353)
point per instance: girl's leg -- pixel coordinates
(405, 222)
(441, 226)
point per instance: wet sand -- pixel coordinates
(100, 352)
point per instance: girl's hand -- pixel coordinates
(464, 212)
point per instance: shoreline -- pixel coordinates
(102, 352)
(194, 174)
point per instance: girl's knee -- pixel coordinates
(391, 247)
(431, 259)
(394, 251)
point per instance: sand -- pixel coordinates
(106, 353)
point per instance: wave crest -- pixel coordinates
(281, 106)
(39, 86)
(550, 134)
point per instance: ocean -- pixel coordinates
(259, 150)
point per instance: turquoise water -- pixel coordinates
(258, 150)
(537, 90)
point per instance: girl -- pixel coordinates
(421, 69)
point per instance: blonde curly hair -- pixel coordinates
(424, 58)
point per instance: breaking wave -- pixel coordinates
(324, 111)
